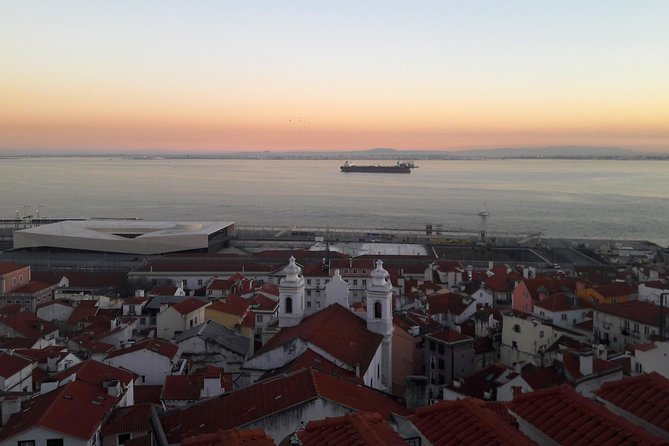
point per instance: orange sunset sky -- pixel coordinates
(214, 76)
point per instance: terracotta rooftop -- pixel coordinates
(135, 419)
(354, 345)
(264, 303)
(636, 310)
(28, 325)
(465, 422)
(135, 300)
(189, 305)
(557, 302)
(148, 394)
(487, 379)
(163, 348)
(616, 289)
(12, 364)
(272, 396)
(53, 411)
(548, 285)
(449, 336)
(645, 396)
(82, 279)
(6, 267)
(357, 429)
(32, 287)
(231, 437)
(233, 304)
(571, 419)
(95, 372)
(8, 310)
(182, 387)
(448, 302)
(312, 359)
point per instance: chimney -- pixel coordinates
(139, 293)
(585, 362)
(212, 386)
(113, 387)
(9, 407)
(415, 391)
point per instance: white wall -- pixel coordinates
(40, 435)
(151, 365)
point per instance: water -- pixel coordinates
(560, 198)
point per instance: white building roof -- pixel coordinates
(121, 236)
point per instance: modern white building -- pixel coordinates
(127, 236)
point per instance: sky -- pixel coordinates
(214, 76)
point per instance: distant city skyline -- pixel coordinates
(216, 76)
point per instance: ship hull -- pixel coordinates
(376, 169)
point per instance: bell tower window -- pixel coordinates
(377, 310)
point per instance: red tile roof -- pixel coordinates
(571, 419)
(645, 396)
(465, 422)
(182, 387)
(82, 279)
(358, 429)
(8, 310)
(448, 302)
(548, 285)
(264, 303)
(272, 396)
(12, 364)
(28, 325)
(487, 379)
(571, 361)
(42, 355)
(135, 300)
(232, 304)
(449, 336)
(54, 411)
(32, 287)
(189, 305)
(6, 267)
(616, 289)
(542, 377)
(231, 437)
(312, 359)
(94, 372)
(163, 348)
(635, 310)
(354, 345)
(148, 394)
(163, 291)
(557, 302)
(135, 419)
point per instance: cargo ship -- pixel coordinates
(400, 167)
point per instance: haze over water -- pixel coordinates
(560, 198)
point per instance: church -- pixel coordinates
(351, 344)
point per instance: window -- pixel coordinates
(364, 282)
(27, 443)
(516, 328)
(541, 334)
(143, 378)
(54, 442)
(346, 271)
(355, 281)
(308, 292)
(433, 346)
(122, 438)
(514, 344)
(626, 325)
(563, 316)
(259, 318)
(646, 330)
(308, 304)
(289, 305)
(636, 327)
(378, 370)
(20, 279)
(377, 310)
(355, 271)
(440, 364)
(440, 349)
(364, 271)
(308, 281)
(199, 282)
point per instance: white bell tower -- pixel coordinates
(291, 295)
(380, 317)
